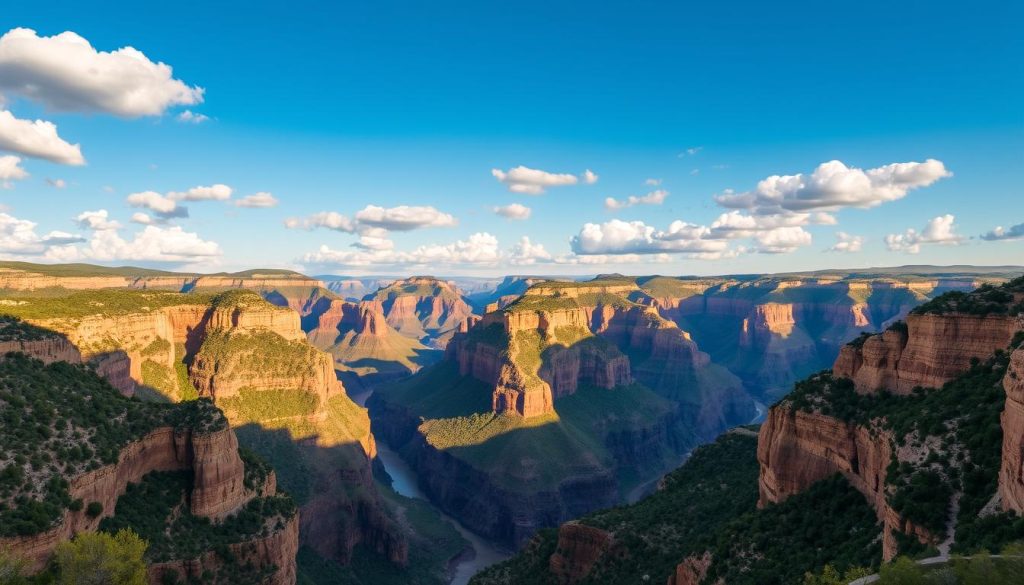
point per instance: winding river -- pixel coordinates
(405, 481)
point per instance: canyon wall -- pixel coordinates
(1011, 472)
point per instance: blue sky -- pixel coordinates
(334, 107)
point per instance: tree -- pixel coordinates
(97, 558)
(12, 569)
(902, 571)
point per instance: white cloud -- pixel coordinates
(18, 236)
(691, 151)
(324, 219)
(165, 207)
(533, 182)
(940, 230)
(374, 239)
(847, 243)
(653, 198)
(404, 217)
(636, 237)
(1013, 233)
(478, 249)
(525, 253)
(782, 240)
(152, 244)
(218, 192)
(833, 186)
(66, 73)
(190, 117)
(56, 183)
(37, 139)
(652, 182)
(262, 199)
(514, 211)
(598, 259)
(10, 170)
(143, 218)
(734, 224)
(96, 220)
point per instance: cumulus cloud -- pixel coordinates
(653, 198)
(66, 73)
(56, 183)
(1012, 233)
(18, 236)
(833, 186)
(218, 192)
(164, 207)
(96, 220)
(152, 244)
(534, 182)
(940, 230)
(190, 117)
(10, 170)
(330, 220)
(847, 243)
(636, 237)
(144, 219)
(478, 249)
(403, 217)
(782, 240)
(513, 211)
(37, 139)
(735, 224)
(262, 199)
(526, 253)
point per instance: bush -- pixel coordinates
(99, 558)
(94, 509)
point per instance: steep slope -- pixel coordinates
(772, 331)
(424, 308)
(73, 449)
(554, 406)
(367, 351)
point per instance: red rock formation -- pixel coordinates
(692, 571)
(796, 449)
(1011, 472)
(935, 349)
(580, 547)
(424, 308)
(217, 489)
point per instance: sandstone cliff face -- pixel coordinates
(217, 491)
(1011, 472)
(796, 449)
(580, 547)
(933, 350)
(692, 571)
(424, 308)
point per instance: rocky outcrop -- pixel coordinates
(932, 350)
(424, 308)
(277, 550)
(1011, 472)
(795, 449)
(217, 490)
(580, 547)
(691, 571)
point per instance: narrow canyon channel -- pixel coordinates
(405, 481)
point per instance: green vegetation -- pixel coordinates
(986, 300)
(254, 406)
(242, 354)
(13, 329)
(107, 302)
(157, 509)
(60, 420)
(79, 270)
(109, 559)
(982, 569)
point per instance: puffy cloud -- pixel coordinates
(97, 220)
(513, 211)
(66, 73)
(36, 139)
(833, 186)
(374, 239)
(734, 224)
(57, 183)
(479, 248)
(1013, 233)
(164, 207)
(403, 217)
(940, 230)
(152, 244)
(262, 199)
(10, 170)
(636, 237)
(190, 117)
(598, 259)
(324, 219)
(652, 182)
(18, 236)
(218, 192)
(782, 240)
(653, 198)
(533, 182)
(144, 218)
(847, 243)
(525, 253)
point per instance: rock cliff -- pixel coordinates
(424, 308)
(1011, 472)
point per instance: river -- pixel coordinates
(405, 481)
